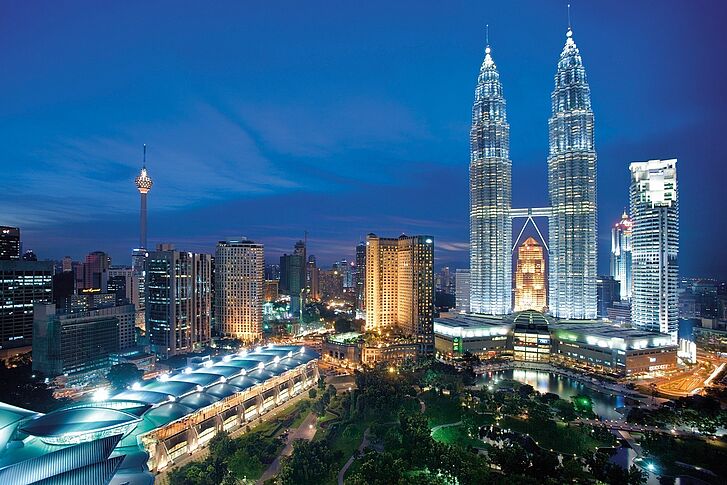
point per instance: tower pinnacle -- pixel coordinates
(143, 182)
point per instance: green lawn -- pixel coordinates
(441, 409)
(456, 435)
(557, 436)
(347, 438)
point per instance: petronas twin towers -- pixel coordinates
(571, 185)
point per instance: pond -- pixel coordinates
(605, 404)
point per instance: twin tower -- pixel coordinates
(571, 186)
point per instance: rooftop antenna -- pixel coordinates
(569, 24)
(144, 163)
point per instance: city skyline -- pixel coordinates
(293, 184)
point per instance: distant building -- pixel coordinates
(655, 213)
(361, 278)
(620, 312)
(63, 287)
(29, 255)
(178, 300)
(621, 255)
(312, 280)
(272, 272)
(9, 243)
(608, 291)
(96, 271)
(67, 264)
(271, 290)
(331, 283)
(292, 280)
(138, 298)
(22, 283)
(87, 300)
(121, 283)
(530, 288)
(240, 289)
(78, 345)
(400, 286)
(462, 290)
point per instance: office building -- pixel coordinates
(22, 283)
(572, 189)
(240, 289)
(490, 196)
(178, 300)
(312, 279)
(292, 280)
(655, 246)
(462, 290)
(9, 243)
(67, 264)
(400, 286)
(530, 287)
(271, 290)
(608, 292)
(121, 283)
(96, 271)
(79, 345)
(621, 255)
(360, 279)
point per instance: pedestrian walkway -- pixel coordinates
(349, 462)
(306, 431)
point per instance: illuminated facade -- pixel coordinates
(22, 283)
(159, 421)
(621, 255)
(490, 196)
(240, 289)
(462, 290)
(530, 291)
(9, 243)
(572, 188)
(400, 286)
(655, 246)
(178, 300)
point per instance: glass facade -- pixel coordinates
(572, 188)
(655, 212)
(490, 196)
(621, 255)
(22, 283)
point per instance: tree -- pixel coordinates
(312, 393)
(23, 387)
(511, 458)
(377, 469)
(311, 463)
(122, 376)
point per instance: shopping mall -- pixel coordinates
(531, 336)
(126, 437)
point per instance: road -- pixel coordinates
(306, 431)
(624, 426)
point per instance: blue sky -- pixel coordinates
(267, 119)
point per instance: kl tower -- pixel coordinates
(143, 182)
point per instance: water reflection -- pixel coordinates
(604, 403)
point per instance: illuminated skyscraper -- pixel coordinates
(621, 255)
(178, 311)
(490, 196)
(655, 247)
(462, 290)
(400, 286)
(138, 256)
(572, 188)
(530, 292)
(240, 289)
(9, 243)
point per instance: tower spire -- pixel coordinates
(144, 162)
(487, 34)
(569, 23)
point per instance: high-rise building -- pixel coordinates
(138, 267)
(292, 280)
(462, 290)
(178, 299)
(530, 287)
(621, 255)
(271, 290)
(490, 196)
(360, 279)
(655, 246)
(96, 271)
(400, 286)
(80, 343)
(9, 243)
(240, 289)
(22, 283)
(608, 292)
(331, 284)
(67, 264)
(121, 283)
(312, 279)
(572, 188)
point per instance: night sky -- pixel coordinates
(267, 119)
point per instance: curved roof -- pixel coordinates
(173, 388)
(166, 413)
(77, 421)
(222, 390)
(198, 400)
(149, 397)
(201, 378)
(243, 382)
